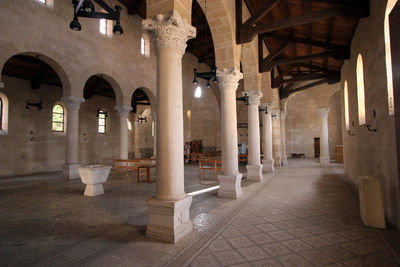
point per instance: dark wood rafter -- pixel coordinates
(285, 91)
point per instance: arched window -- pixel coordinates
(103, 26)
(388, 56)
(58, 119)
(346, 106)
(145, 45)
(101, 118)
(360, 90)
(3, 114)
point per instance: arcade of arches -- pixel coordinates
(72, 98)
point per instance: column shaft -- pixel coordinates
(254, 167)
(268, 161)
(123, 112)
(71, 151)
(230, 178)
(283, 139)
(324, 137)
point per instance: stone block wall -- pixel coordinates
(365, 152)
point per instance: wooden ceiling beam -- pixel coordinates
(265, 9)
(285, 92)
(267, 65)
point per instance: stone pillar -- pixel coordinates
(324, 158)
(230, 178)
(169, 208)
(254, 167)
(71, 151)
(276, 137)
(268, 161)
(123, 112)
(283, 138)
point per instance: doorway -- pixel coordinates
(316, 147)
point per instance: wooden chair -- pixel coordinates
(209, 164)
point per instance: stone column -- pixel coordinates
(268, 161)
(123, 112)
(254, 167)
(283, 138)
(230, 178)
(71, 151)
(324, 158)
(169, 208)
(276, 137)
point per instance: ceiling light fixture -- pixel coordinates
(86, 9)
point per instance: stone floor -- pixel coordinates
(301, 215)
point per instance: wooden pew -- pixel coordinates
(130, 164)
(242, 158)
(209, 164)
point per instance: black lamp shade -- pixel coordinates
(75, 25)
(117, 29)
(88, 6)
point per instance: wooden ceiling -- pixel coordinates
(307, 40)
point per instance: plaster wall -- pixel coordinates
(365, 152)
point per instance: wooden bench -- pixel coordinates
(242, 158)
(131, 164)
(209, 164)
(193, 157)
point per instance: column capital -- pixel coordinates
(283, 114)
(228, 78)
(170, 30)
(123, 111)
(72, 102)
(323, 112)
(254, 96)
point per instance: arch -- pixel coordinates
(4, 114)
(43, 52)
(222, 12)
(360, 90)
(150, 95)
(388, 56)
(107, 74)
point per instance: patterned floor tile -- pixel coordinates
(231, 232)
(276, 249)
(240, 242)
(280, 235)
(229, 257)
(338, 253)
(261, 238)
(316, 257)
(267, 263)
(296, 245)
(293, 260)
(219, 245)
(298, 232)
(334, 238)
(267, 227)
(316, 241)
(249, 230)
(253, 253)
(204, 260)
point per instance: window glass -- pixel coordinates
(346, 106)
(360, 90)
(388, 56)
(58, 118)
(102, 122)
(1, 112)
(142, 46)
(103, 26)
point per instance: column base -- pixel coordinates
(268, 165)
(93, 190)
(284, 160)
(70, 171)
(169, 221)
(254, 173)
(230, 186)
(324, 160)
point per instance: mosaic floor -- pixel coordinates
(301, 215)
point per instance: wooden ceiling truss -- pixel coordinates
(307, 40)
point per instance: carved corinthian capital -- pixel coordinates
(254, 97)
(228, 78)
(72, 102)
(123, 111)
(170, 31)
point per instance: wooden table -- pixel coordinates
(147, 167)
